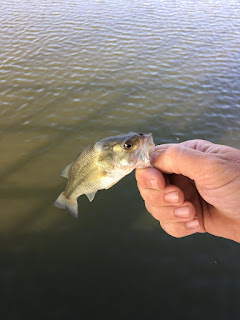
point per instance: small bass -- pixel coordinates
(102, 164)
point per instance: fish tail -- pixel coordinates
(71, 205)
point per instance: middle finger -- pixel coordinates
(169, 196)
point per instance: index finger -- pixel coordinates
(150, 178)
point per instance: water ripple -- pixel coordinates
(168, 67)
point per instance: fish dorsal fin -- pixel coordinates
(65, 171)
(90, 196)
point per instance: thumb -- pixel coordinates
(179, 159)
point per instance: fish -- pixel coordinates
(102, 164)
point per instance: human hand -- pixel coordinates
(194, 187)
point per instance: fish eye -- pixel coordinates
(141, 134)
(128, 144)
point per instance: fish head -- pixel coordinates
(142, 152)
(129, 151)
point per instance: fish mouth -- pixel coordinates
(147, 147)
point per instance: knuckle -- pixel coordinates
(149, 208)
(154, 197)
(211, 169)
(171, 229)
(149, 195)
(163, 214)
(172, 152)
(152, 211)
(143, 190)
(140, 187)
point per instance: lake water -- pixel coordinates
(73, 72)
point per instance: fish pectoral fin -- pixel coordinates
(91, 195)
(65, 171)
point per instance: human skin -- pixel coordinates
(193, 187)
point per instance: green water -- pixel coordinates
(72, 72)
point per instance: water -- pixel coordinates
(76, 71)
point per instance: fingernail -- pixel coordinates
(194, 224)
(153, 184)
(172, 197)
(182, 212)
